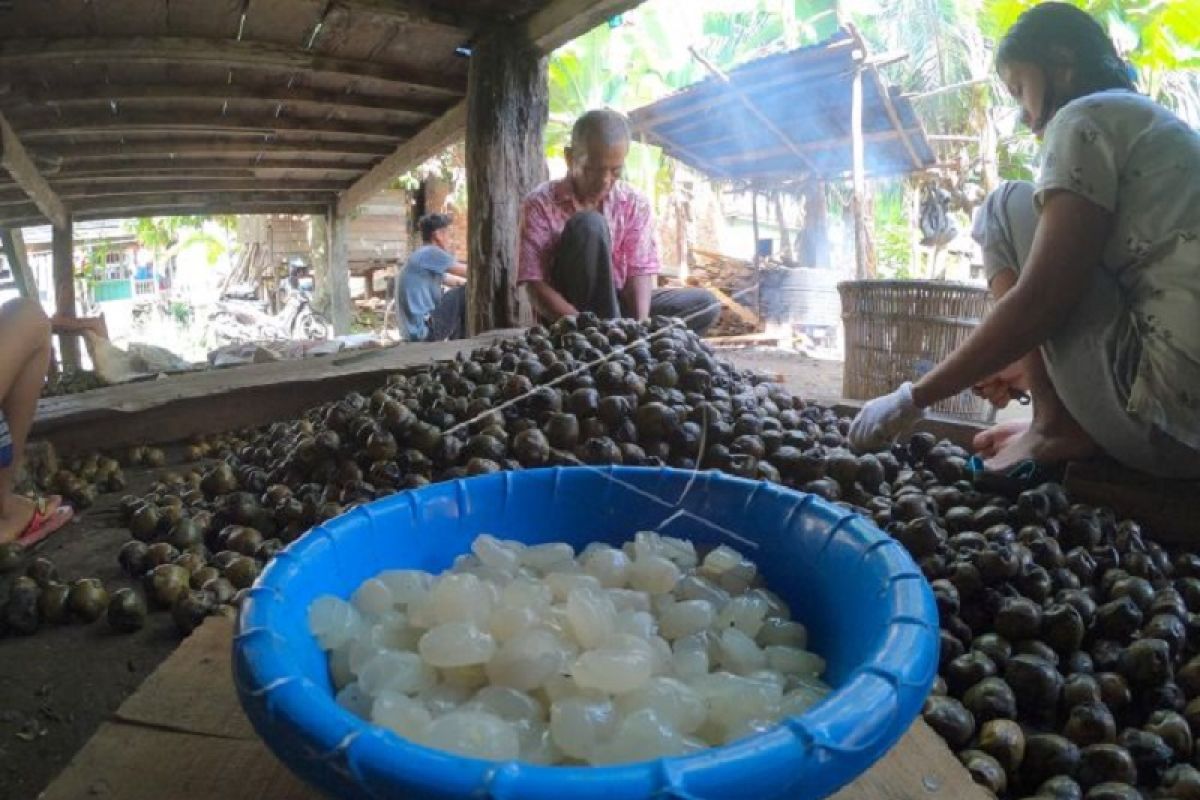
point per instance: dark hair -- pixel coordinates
(431, 224)
(1058, 34)
(602, 126)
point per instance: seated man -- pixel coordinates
(425, 313)
(587, 241)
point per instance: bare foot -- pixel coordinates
(18, 511)
(990, 442)
(1045, 443)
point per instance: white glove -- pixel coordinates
(884, 419)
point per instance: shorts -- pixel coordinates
(6, 443)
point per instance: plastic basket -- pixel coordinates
(869, 611)
(896, 331)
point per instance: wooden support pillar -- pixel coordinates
(18, 262)
(64, 290)
(337, 272)
(507, 108)
(862, 256)
(754, 225)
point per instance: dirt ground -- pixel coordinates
(58, 685)
(811, 378)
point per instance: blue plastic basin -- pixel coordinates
(868, 609)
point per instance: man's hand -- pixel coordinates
(548, 302)
(1000, 388)
(884, 419)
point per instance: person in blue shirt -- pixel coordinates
(427, 312)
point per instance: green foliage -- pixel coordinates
(892, 232)
(647, 56)
(168, 235)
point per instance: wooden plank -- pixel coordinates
(214, 401)
(18, 262)
(131, 762)
(508, 106)
(744, 340)
(27, 218)
(183, 735)
(919, 766)
(230, 144)
(1166, 509)
(858, 193)
(274, 94)
(63, 246)
(213, 163)
(15, 159)
(192, 691)
(40, 126)
(80, 193)
(168, 50)
(739, 310)
(430, 141)
(295, 187)
(563, 20)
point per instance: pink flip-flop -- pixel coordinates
(49, 516)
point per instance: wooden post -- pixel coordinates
(785, 234)
(507, 108)
(861, 246)
(754, 225)
(337, 273)
(64, 290)
(18, 262)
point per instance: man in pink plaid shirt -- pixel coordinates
(587, 241)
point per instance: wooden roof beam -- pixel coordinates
(161, 50)
(76, 171)
(177, 210)
(429, 142)
(15, 159)
(40, 126)
(565, 20)
(228, 145)
(77, 195)
(58, 96)
(416, 12)
(548, 29)
(165, 204)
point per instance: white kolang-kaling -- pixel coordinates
(540, 654)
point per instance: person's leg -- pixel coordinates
(449, 317)
(1081, 394)
(698, 308)
(582, 269)
(24, 359)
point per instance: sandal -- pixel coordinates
(49, 515)
(1020, 477)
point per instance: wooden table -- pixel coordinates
(182, 736)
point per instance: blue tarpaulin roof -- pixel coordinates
(787, 118)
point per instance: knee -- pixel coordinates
(588, 223)
(28, 318)
(705, 311)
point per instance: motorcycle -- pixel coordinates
(241, 316)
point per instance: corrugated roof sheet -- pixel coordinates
(805, 97)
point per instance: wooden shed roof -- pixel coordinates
(787, 118)
(139, 107)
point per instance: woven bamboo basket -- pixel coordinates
(897, 331)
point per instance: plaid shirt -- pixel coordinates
(545, 213)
